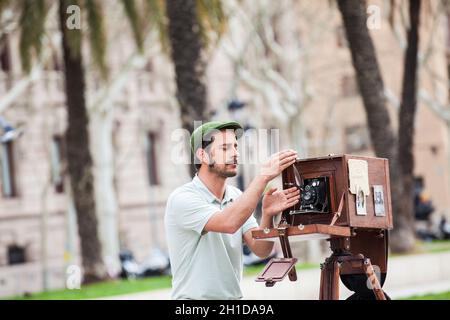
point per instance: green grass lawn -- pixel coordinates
(120, 287)
(434, 296)
(103, 289)
(428, 247)
(434, 246)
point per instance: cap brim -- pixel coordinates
(232, 125)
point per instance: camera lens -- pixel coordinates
(314, 195)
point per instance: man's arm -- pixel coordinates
(273, 204)
(261, 248)
(230, 219)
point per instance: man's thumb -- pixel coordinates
(271, 190)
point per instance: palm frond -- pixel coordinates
(4, 4)
(135, 22)
(212, 19)
(32, 21)
(157, 18)
(97, 38)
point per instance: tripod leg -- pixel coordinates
(335, 281)
(370, 273)
(323, 287)
(287, 253)
(329, 280)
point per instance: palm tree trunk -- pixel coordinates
(371, 87)
(79, 159)
(406, 117)
(186, 51)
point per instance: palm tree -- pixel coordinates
(187, 29)
(184, 32)
(33, 15)
(407, 114)
(79, 159)
(186, 44)
(398, 148)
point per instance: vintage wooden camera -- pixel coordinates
(345, 199)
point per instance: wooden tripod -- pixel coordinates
(330, 273)
(342, 262)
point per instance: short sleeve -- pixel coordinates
(251, 221)
(190, 211)
(249, 224)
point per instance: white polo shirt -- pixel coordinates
(207, 266)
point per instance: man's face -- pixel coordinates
(223, 154)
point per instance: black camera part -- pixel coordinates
(314, 196)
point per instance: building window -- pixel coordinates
(8, 182)
(356, 138)
(150, 150)
(16, 254)
(419, 183)
(57, 160)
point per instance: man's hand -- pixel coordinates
(276, 201)
(277, 163)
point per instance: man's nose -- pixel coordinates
(235, 153)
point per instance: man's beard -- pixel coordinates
(221, 171)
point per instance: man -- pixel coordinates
(207, 220)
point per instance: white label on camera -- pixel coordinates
(358, 174)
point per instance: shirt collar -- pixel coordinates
(210, 196)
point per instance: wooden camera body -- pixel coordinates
(347, 200)
(334, 173)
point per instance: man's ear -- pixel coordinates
(202, 155)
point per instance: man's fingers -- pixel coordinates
(287, 151)
(287, 154)
(284, 166)
(291, 189)
(280, 154)
(288, 159)
(283, 154)
(294, 195)
(290, 203)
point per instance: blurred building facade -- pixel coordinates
(144, 116)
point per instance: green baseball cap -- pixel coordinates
(201, 132)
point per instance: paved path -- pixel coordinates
(407, 276)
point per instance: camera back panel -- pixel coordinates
(322, 182)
